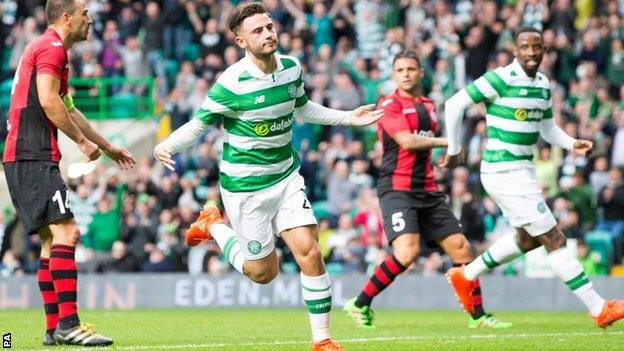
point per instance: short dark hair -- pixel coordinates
(527, 30)
(409, 54)
(55, 8)
(243, 11)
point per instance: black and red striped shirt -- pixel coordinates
(401, 169)
(31, 134)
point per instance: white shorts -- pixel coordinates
(258, 216)
(518, 194)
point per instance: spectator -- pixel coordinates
(611, 203)
(121, 261)
(340, 191)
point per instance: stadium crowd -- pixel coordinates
(134, 221)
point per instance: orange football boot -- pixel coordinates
(199, 230)
(462, 286)
(327, 345)
(612, 311)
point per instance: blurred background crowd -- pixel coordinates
(135, 221)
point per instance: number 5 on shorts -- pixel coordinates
(398, 223)
(58, 198)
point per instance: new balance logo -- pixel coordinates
(523, 92)
(259, 99)
(57, 43)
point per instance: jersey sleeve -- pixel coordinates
(218, 103)
(301, 98)
(393, 120)
(51, 60)
(488, 87)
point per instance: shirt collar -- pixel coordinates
(255, 71)
(53, 32)
(515, 66)
(401, 97)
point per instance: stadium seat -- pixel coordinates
(122, 106)
(601, 241)
(191, 52)
(172, 67)
(334, 268)
(289, 268)
(321, 209)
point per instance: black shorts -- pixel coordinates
(425, 213)
(38, 193)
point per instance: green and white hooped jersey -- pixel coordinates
(257, 112)
(515, 104)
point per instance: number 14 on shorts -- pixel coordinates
(63, 205)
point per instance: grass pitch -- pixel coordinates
(288, 329)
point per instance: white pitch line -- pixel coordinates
(364, 340)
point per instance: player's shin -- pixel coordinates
(317, 295)
(228, 242)
(384, 276)
(570, 271)
(48, 296)
(64, 277)
(504, 250)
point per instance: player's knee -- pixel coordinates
(310, 254)
(461, 245)
(264, 276)
(69, 237)
(554, 240)
(407, 254)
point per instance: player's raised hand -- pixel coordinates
(583, 147)
(89, 149)
(163, 155)
(121, 156)
(454, 161)
(365, 115)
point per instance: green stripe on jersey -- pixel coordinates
(512, 137)
(207, 116)
(287, 63)
(496, 82)
(503, 156)
(247, 184)
(475, 94)
(302, 100)
(527, 92)
(266, 128)
(244, 76)
(517, 114)
(269, 96)
(257, 156)
(223, 96)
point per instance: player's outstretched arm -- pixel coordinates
(554, 135)
(314, 113)
(365, 115)
(453, 113)
(415, 142)
(181, 139)
(48, 87)
(120, 155)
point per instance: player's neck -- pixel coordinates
(64, 34)
(410, 94)
(266, 63)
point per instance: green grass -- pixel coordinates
(287, 329)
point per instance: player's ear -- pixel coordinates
(239, 41)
